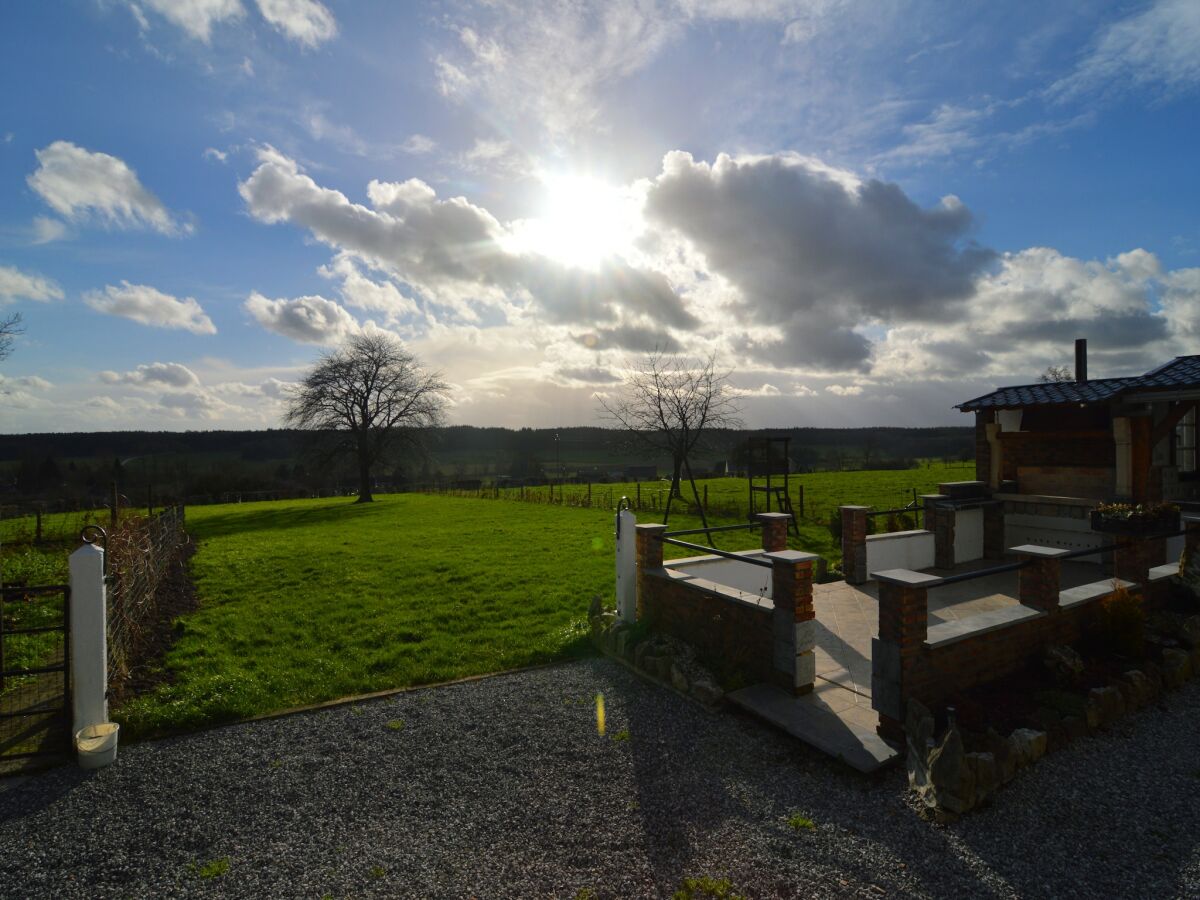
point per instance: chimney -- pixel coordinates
(1081, 360)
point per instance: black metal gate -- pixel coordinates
(35, 675)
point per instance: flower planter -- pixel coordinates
(1136, 526)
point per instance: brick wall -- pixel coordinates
(983, 450)
(1031, 448)
(726, 633)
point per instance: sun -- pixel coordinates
(582, 222)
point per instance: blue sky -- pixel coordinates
(868, 210)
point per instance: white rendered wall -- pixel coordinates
(1052, 531)
(741, 576)
(968, 535)
(899, 550)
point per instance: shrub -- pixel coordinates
(1122, 624)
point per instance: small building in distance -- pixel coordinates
(1128, 439)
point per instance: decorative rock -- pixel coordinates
(1189, 632)
(1028, 746)
(1064, 662)
(1143, 690)
(918, 728)
(663, 667)
(951, 782)
(596, 607)
(678, 679)
(1104, 706)
(640, 652)
(983, 766)
(1001, 751)
(1177, 666)
(706, 691)
(1129, 696)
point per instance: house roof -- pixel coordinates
(1181, 372)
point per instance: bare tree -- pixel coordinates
(1056, 375)
(10, 327)
(371, 395)
(668, 403)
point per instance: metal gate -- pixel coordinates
(35, 674)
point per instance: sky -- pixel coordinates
(868, 211)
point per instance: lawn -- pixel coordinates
(310, 600)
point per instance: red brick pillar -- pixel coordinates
(854, 543)
(939, 518)
(1135, 557)
(774, 530)
(903, 627)
(794, 620)
(1039, 583)
(649, 558)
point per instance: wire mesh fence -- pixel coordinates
(141, 554)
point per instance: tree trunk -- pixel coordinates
(677, 477)
(364, 476)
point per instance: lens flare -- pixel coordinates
(600, 714)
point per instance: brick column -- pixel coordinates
(939, 519)
(1135, 557)
(854, 543)
(1039, 583)
(794, 621)
(774, 530)
(993, 530)
(649, 557)
(903, 626)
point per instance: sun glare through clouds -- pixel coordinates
(582, 221)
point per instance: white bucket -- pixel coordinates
(96, 745)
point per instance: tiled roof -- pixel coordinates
(1181, 372)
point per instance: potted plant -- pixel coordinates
(1140, 519)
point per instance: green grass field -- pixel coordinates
(305, 601)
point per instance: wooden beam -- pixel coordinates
(1174, 417)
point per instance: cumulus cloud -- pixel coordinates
(419, 144)
(452, 251)
(18, 285)
(15, 392)
(309, 320)
(80, 185)
(144, 304)
(844, 390)
(361, 292)
(816, 252)
(170, 375)
(306, 22)
(196, 17)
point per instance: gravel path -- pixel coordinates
(502, 788)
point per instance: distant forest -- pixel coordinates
(202, 465)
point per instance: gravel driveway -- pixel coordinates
(502, 788)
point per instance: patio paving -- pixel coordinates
(837, 716)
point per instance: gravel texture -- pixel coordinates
(502, 788)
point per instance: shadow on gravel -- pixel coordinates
(28, 795)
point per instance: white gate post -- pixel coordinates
(89, 638)
(626, 566)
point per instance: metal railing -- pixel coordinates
(713, 551)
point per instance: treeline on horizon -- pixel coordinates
(196, 465)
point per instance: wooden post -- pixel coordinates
(113, 509)
(801, 514)
(639, 496)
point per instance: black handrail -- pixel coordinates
(712, 551)
(712, 528)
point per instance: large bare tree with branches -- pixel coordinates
(370, 396)
(668, 402)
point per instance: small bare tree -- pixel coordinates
(10, 327)
(1056, 375)
(370, 395)
(668, 403)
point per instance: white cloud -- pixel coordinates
(214, 153)
(361, 292)
(815, 253)
(18, 285)
(144, 304)
(418, 144)
(47, 230)
(309, 320)
(453, 252)
(844, 390)
(1156, 47)
(196, 17)
(170, 375)
(306, 22)
(79, 185)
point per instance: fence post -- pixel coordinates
(649, 556)
(627, 553)
(793, 620)
(89, 638)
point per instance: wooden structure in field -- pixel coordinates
(769, 458)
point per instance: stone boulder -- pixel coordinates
(1177, 667)
(1028, 746)
(678, 679)
(706, 691)
(918, 728)
(1002, 754)
(987, 779)
(1064, 663)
